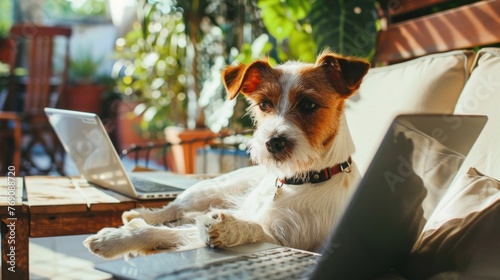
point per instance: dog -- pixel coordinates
(300, 184)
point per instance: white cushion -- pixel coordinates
(477, 192)
(429, 84)
(463, 233)
(481, 95)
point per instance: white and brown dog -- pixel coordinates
(293, 197)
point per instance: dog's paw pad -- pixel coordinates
(220, 230)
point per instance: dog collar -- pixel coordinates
(315, 177)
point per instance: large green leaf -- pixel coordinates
(347, 27)
(285, 20)
(302, 46)
(298, 9)
(277, 21)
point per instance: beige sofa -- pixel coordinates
(462, 234)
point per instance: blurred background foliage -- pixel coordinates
(150, 67)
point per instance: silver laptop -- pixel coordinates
(87, 143)
(379, 227)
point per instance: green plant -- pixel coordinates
(150, 67)
(302, 28)
(286, 23)
(6, 18)
(170, 63)
(4, 29)
(347, 27)
(83, 69)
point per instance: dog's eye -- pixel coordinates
(307, 106)
(264, 106)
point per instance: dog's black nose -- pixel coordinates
(276, 144)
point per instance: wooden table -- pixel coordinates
(54, 206)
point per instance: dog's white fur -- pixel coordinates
(238, 207)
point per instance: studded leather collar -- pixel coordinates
(320, 176)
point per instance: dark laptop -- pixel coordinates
(419, 155)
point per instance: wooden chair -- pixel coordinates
(414, 30)
(10, 123)
(10, 128)
(43, 88)
(7, 47)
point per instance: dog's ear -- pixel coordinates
(244, 78)
(345, 73)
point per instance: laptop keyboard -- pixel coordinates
(280, 263)
(146, 186)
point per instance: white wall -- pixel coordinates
(96, 39)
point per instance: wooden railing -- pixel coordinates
(217, 152)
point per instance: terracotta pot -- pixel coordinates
(184, 156)
(85, 98)
(127, 125)
(7, 50)
(128, 132)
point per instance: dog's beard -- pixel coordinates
(296, 159)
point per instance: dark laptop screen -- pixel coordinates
(415, 164)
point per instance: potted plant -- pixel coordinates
(150, 76)
(85, 90)
(169, 73)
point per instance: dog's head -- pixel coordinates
(296, 106)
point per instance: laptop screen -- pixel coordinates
(415, 164)
(86, 141)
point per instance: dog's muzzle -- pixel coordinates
(276, 144)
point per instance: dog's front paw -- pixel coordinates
(106, 243)
(221, 229)
(112, 243)
(152, 216)
(128, 216)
